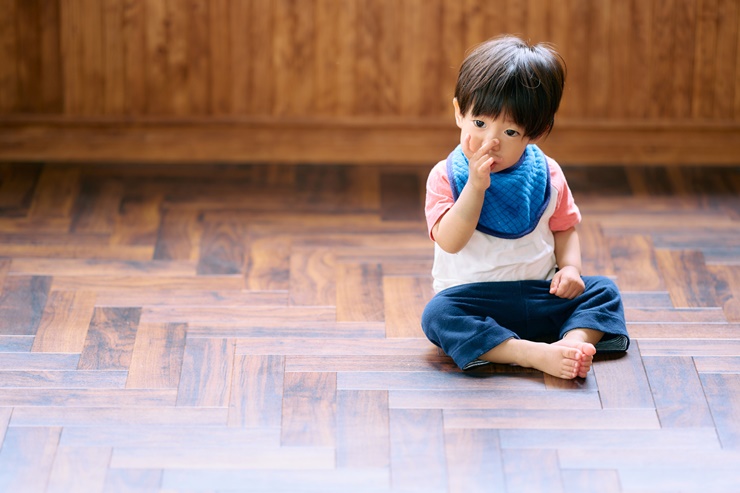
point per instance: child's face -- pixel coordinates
(508, 138)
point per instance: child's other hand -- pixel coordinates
(479, 175)
(567, 283)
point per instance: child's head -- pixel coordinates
(507, 77)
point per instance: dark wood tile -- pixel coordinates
(230, 327)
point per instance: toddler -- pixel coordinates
(507, 258)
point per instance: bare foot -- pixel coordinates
(559, 361)
(587, 351)
(562, 361)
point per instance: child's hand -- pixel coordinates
(479, 175)
(567, 283)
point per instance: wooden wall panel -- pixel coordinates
(144, 65)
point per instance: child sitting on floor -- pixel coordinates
(507, 261)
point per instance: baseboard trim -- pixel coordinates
(347, 141)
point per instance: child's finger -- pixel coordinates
(485, 167)
(554, 285)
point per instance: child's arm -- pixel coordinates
(567, 282)
(454, 229)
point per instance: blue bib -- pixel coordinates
(517, 197)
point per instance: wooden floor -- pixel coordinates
(256, 329)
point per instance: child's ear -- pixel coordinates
(458, 116)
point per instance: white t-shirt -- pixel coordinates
(487, 258)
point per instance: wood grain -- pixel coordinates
(126, 64)
(223, 327)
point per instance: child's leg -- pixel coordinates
(560, 361)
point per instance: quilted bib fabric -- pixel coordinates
(517, 197)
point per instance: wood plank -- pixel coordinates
(110, 339)
(622, 381)
(64, 324)
(207, 367)
(377, 380)
(191, 436)
(17, 188)
(26, 458)
(97, 206)
(220, 38)
(22, 303)
(686, 26)
(153, 415)
(688, 479)
(635, 263)
(88, 397)
(357, 346)
(729, 274)
(722, 391)
(678, 347)
(684, 330)
(16, 344)
(125, 480)
(178, 236)
(494, 399)
(8, 53)
(697, 439)
(596, 419)
(404, 300)
(38, 361)
(682, 271)
(156, 357)
(199, 53)
(474, 461)
(520, 476)
(368, 362)
(416, 436)
(717, 364)
(329, 481)
(359, 293)
(677, 392)
(219, 457)
(256, 397)
(309, 398)
(704, 59)
(114, 62)
(621, 459)
(137, 220)
(586, 480)
(134, 283)
(675, 315)
(221, 249)
(145, 297)
(71, 379)
(55, 192)
(312, 276)
(93, 267)
(79, 469)
(268, 265)
(363, 429)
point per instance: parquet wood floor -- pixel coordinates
(256, 329)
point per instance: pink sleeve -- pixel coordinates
(439, 195)
(566, 213)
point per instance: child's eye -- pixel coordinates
(479, 123)
(510, 132)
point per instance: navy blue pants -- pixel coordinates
(469, 320)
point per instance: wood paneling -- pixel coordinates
(654, 81)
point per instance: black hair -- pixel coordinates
(508, 76)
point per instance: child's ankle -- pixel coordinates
(584, 335)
